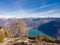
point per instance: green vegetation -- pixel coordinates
(47, 39)
(57, 41)
(1, 35)
(1, 38)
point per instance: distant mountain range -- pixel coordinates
(50, 26)
(31, 22)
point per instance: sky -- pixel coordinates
(29, 8)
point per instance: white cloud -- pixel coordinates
(25, 14)
(48, 5)
(54, 15)
(43, 6)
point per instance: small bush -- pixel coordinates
(1, 38)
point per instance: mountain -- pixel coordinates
(35, 22)
(31, 22)
(51, 28)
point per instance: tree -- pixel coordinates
(18, 28)
(1, 35)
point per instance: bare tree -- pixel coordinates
(18, 28)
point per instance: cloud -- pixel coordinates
(44, 6)
(43, 14)
(26, 14)
(41, 7)
(50, 11)
(48, 5)
(54, 15)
